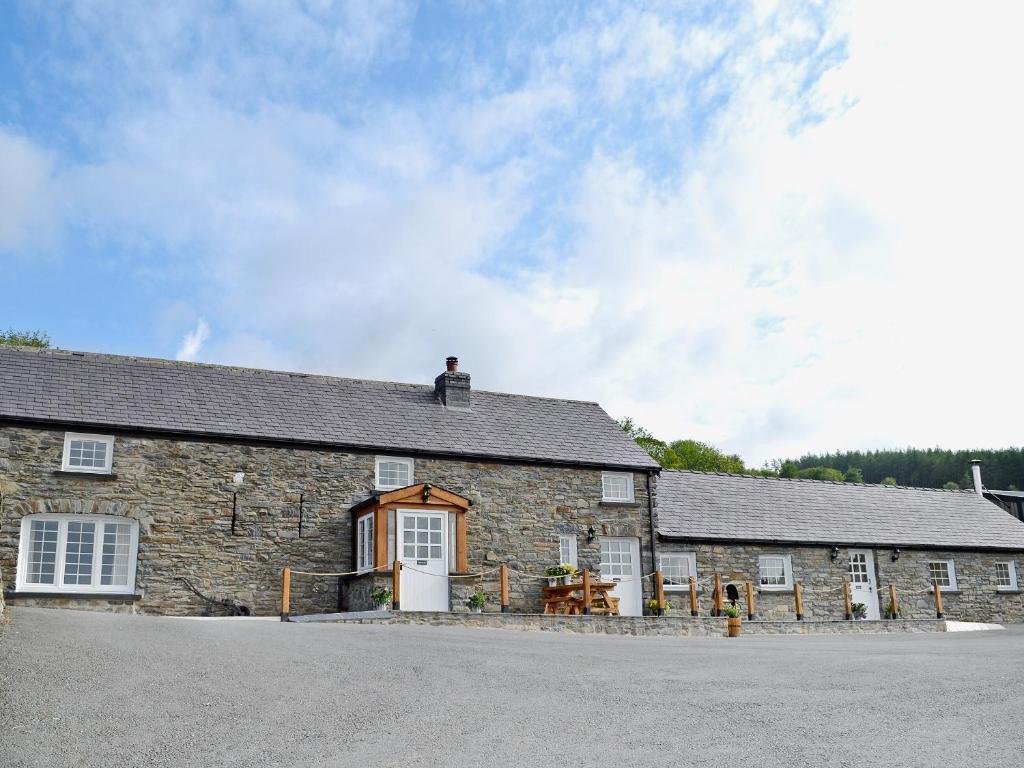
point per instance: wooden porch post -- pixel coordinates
(396, 585)
(938, 601)
(586, 591)
(380, 537)
(719, 601)
(286, 590)
(751, 610)
(847, 600)
(694, 609)
(461, 544)
(504, 589)
(659, 586)
(798, 600)
(892, 599)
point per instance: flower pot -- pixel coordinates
(382, 606)
(567, 579)
(735, 626)
(473, 609)
(860, 616)
(554, 581)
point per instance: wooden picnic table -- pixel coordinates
(562, 598)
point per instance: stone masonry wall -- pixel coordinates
(976, 600)
(181, 494)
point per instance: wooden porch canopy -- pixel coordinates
(422, 496)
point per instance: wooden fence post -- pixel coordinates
(396, 585)
(694, 609)
(847, 600)
(938, 601)
(751, 609)
(586, 591)
(719, 602)
(659, 589)
(504, 589)
(892, 599)
(286, 593)
(798, 600)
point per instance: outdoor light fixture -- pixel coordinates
(835, 554)
(590, 534)
(895, 554)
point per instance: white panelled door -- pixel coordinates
(862, 580)
(423, 550)
(620, 562)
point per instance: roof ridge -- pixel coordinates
(822, 482)
(57, 351)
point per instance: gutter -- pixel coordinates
(835, 543)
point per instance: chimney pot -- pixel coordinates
(452, 364)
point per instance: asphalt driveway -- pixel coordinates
(88, 689)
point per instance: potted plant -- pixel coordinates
(860, 611)
(477, 601)
(568, 573)
(381, 597)
(559, 574)
(733, 621)
(890, 611)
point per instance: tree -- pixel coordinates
(853, 475)
(821, 473)
(25, 338)
(788, 468)
(657, 449)
(693, 454)
(889, 480)
(951, 486)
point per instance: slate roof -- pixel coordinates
(712, 506)
(144, 394)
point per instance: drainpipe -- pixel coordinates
(650, 516)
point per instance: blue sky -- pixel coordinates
(778, 228)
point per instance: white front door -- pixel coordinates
(423, 550)
(862, 580)
(620, 562)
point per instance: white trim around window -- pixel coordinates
(775, 572)
(943, 573)
(364, 543)
(567, 551)
(617, 486)
(88, 453)
(1006, 576)
(676, 569)
(391, 472)
(79, 554)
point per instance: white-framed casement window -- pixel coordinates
(1006, 576)
(616, 486)
(364, 543)
(775, 572)
(88, 453)
(392, 473)
(677, 568)
(77, 553)
(567, 552)
(943, 573)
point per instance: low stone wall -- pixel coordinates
(673, 626)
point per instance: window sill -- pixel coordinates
(75, 473)
(1007, 591)
(681, 590)
(779, 591)
(13, 594)
(613, 503)
(949, 591)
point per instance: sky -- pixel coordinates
(778, 228)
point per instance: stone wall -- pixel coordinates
(181, 494)
(821, 578)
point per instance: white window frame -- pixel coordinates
(71, 436)
(21, 580)
(628, 498)
(1011, 566)
(568, 550)
(397, 459)
(950, 569)
(787, 566)
(365, 532)
(663, 565)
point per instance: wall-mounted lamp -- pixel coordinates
(895, 554)
(590, 534)
(835, 554)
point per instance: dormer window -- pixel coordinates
(393, 473)
(88, 453)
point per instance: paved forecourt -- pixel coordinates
(92, 689)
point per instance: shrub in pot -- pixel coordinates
(477, 601)
(559, 574)
(381, 597)
(860, 611)
(733, 622)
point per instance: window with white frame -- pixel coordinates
(677, 568)
(76, 553)
(775, 571)
(393, 473)
(567, 552)
(88, 453)
(1006, 576)
(364, 543)
(943, 573)
(616, 486)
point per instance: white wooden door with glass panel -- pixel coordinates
(620, 562)
(423, 550)
(862, 580)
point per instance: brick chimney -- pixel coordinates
(452, 387)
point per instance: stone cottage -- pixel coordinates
(156, 486)
(775, 532)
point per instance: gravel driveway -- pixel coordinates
(90, 689)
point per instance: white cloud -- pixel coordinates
(192, 343)
(29, 201)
